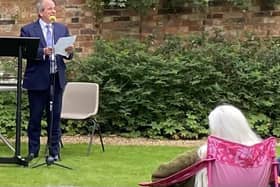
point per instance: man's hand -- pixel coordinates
(70, 49)
(48, 51)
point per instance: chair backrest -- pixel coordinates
(231, 164)
(240, 165)
(80, 100)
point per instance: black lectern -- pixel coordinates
(20, 47)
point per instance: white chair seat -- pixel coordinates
(75, 116)
(80, 102)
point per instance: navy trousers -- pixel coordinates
(39, 102)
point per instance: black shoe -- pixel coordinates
(50, 160)
(30, 157)
(56, 158)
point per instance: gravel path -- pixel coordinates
(117, 140)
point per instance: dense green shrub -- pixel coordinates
(168, 90)
(8, 114)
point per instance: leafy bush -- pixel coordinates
(8, 114)
(168, 90)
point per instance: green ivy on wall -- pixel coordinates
(176, 3)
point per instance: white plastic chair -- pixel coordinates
(80, 102)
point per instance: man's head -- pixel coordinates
(46, 8)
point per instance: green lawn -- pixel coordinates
(118, 166)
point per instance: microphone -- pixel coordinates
(52, 57)
(52, 19)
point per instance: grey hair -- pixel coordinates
(40, 5)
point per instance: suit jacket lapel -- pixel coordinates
(56, 35)
(39, 32)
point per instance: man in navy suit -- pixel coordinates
(38, 76)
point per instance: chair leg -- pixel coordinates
(91, 137)
(61, 143)
(60, 139)
(100, 137)
(275, 171)
(95, 126)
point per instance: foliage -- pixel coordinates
(168, 91)
(118, 3)
(143, 5)
(8, 113)
(243, 4)
(98, 6)
(7, 66)
(261, 123)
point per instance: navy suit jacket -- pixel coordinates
(37, 72)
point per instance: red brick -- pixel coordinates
(125, 22)
(76, 2)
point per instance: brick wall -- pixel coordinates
(158, 22)
(16, 13)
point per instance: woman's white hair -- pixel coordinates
(227, 122)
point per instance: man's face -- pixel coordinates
(48, 10)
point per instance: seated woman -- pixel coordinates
(225, 121)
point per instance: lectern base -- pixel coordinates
(20, 47)
(14, 160)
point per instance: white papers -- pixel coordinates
(62, 43)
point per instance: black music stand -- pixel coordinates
(20, 47)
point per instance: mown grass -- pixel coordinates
(118, 166)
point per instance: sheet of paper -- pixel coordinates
(62, 43)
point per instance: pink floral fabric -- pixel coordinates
(230, 164)
(240, 165)
(236, 154)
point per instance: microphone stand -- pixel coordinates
(50, 160)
